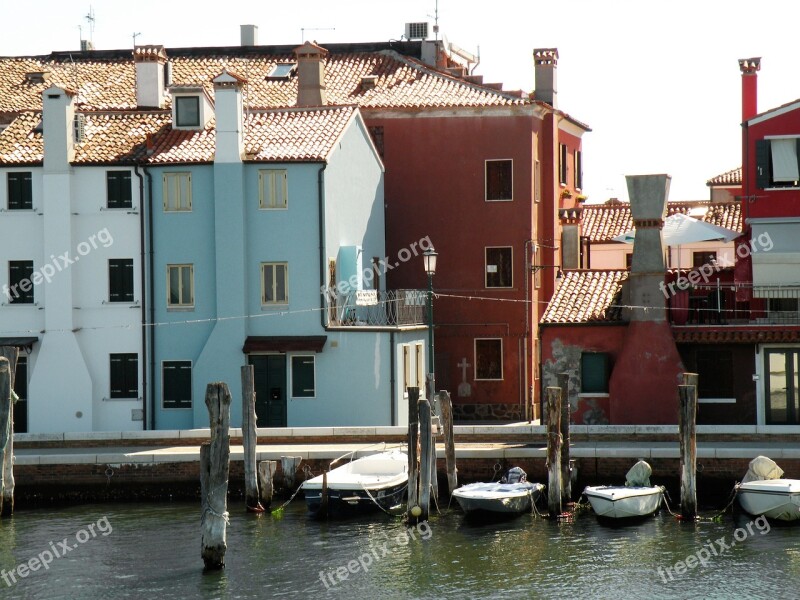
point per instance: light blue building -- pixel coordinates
(253, 217)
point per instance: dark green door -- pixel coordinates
(270, 383)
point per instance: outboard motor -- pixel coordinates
(515, 475)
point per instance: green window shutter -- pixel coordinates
(177, 383)
(763, 175)
(594, 372)
(303, 384)
(20, 192)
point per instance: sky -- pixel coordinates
(657, 81)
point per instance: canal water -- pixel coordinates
(142, 551)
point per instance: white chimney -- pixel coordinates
(545, 61)
(249, 35)
(229, 114)
(311, 75)
(150, 86)
(58, 116)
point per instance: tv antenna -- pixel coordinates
(135, 35)
(304, 29)
(90, 19)
(436, 21)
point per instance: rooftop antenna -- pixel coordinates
(304, 29)
(135, 35)
(90, 19)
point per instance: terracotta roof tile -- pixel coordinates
(604, 222)
(19, 144)
(118, 137)
(732, 177)
(586, 297)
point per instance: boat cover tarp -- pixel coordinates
(639, 475)
(762, 468)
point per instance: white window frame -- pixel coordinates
(181, 100)
(273, 264)
(273, 183)
(486, 268)
(486, 179)
(475, 358)
(291, 376)
(172, 184)
(421, 375)
(180, 304)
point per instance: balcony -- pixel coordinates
(715, 304)
(372, 308)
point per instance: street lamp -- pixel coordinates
(429, 261)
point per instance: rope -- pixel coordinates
(209, 510)
(282, 506)
(377, 503)
(715, 517)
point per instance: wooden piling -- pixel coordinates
(289, 466)
(7, 507)
(5, 425)
(554, 484)
(426, 449)
(214, 469)
(690, 379)
(266, 471)
(449, 444)
(249, 440)
(566, 475)
(687, 418)
(413, 443)
(434, 470)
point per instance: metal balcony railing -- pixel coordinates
(712, 304)
(372, 308)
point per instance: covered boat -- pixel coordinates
(637, 498)
(512, 495)
(763, 491)
(371, 483)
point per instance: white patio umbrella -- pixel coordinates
(682, 229)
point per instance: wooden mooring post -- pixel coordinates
(289, 466)
(413, 444)
(266, 472)
(687, 436)
(554, 491)
(426, 449)
(214, 469)
(249, 441)
(566, 471)
(449, 443)
(11, 353)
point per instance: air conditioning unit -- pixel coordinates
(86, 45)
(78, 127)
(417, 31)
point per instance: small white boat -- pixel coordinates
(621, 502)
(374, 482)
(763, 491)
(513, 495)
(637, 498)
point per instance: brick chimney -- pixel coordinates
(545, 61)
(644, 383)
(229, 113)
(150, 86)
(749, 68)
(311, 89)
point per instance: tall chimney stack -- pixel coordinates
(311, 75)
(150, 86)
(545, 61)
(749, 68)
(249, 35)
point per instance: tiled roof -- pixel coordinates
(704, 335)
(279, 135)
(586, 297)
(604, 222)
(732, 177)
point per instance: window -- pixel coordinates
(120, 280)
(118, 189)
(595, 372)
(303, 382)
(407, 383)
(376, 131)
(177, 192)
(275, 283)
(700, 259)
(562, 164)
(421, 368)
(782, 310)
(498, 267)
(180, 286)
(499, 180)
(781, 393)
(273, 188)
(578, 159)
(715, 370)
(282, 70)
(187, 111)
(20, 286)
(176, 383)
(537, 183)
(20, 407)
(20, 191)
(124, 375)
(489, 359)
(777, 163)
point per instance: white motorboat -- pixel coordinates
(620, 502)
(374, 482)
(513, 495)
(637, 498)
(763, 491)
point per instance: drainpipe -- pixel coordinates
(393, 392)
(152, 289)
(322, 261)
(143, 280)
